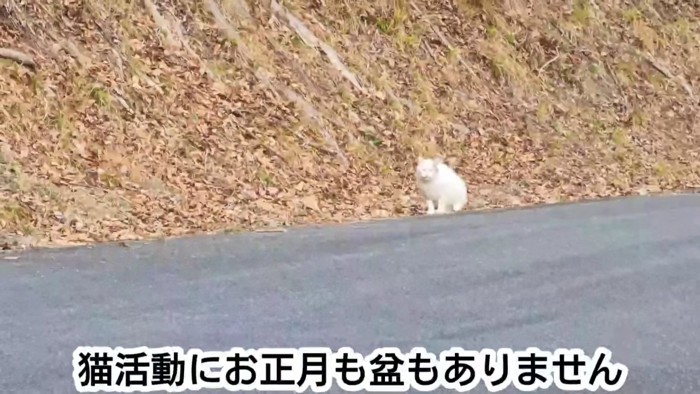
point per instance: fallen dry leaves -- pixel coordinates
(164, 118)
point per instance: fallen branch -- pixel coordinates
(223, 23)
(17, 56)
(550, 61)
(446, 43)
(239, 9)
(315, 117)
(73, 50)
(69, 46)
(430, 52)
(162, 24)
(245, 54)
(667, 73)
(314, 42)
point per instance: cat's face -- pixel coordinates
(426, 169)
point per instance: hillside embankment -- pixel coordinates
(124, 120)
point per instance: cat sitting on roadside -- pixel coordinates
(443, 189)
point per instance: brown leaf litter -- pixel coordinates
(132, 120)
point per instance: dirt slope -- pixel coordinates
(154, 118)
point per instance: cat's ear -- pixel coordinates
(438, 160)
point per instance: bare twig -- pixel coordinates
(73, 50)
(229, 29)
(446, 43)
(239, 9)
(427, 48)
(550, 61)
(314, 116)
(298, 70)
(667, 73)
(162, 24)
(222, 22)
(19, 57)
(69, 46)
(263, 76)
(449, 46)
(312, 41)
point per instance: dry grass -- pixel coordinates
(158, 118)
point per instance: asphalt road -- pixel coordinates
(623, 274)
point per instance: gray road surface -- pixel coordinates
(624, 274)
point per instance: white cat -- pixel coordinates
(442, 188)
